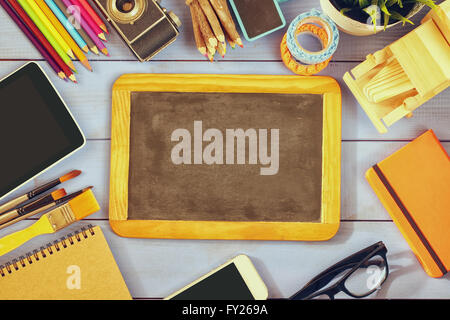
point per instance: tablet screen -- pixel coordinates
(36, 128)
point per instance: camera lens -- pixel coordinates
(126, 11)
(125, 6)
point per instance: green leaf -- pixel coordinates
(400, 4)
(372, 12)
(397, 16)
(364, 3)
(382, 5)
(386, 20)
(344, 10)
(429, 3)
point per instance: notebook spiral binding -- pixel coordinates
(64, 242)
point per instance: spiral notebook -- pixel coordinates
(78, 267)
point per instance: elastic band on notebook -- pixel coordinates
(409, 218)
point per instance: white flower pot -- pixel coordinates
(354, 27)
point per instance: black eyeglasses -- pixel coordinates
(358, 275)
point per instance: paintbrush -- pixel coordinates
(54, 220)
(32, 206)
(44, 208)
(30, 195)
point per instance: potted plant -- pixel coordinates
(365, 17)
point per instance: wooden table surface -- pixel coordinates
(155, 268)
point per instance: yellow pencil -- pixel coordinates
(51, 28)
(64, 34)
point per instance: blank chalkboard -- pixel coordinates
(158, 189)
(222, 158)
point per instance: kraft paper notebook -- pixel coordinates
(414, 186)
(78, 267)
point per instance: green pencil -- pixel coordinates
(46, 33)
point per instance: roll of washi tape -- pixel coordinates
(317, 18)
(297, 67)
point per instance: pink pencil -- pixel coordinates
(75, 12)
(87, 17)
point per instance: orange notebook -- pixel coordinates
(79, 267)
(414, 186)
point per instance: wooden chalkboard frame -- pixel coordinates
(243, 230)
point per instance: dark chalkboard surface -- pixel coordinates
(159, 189)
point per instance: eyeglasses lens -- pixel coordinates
(368, 277)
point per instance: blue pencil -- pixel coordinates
(66, 23)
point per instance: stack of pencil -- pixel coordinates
(46, 23)
(213, 26)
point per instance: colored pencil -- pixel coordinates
(33, 40)
(222, 11)
(64, 34)
(93, 15)
(62, 7)
(72, 9)
(86, 16)
(47, 34)
(35, 8)
(42, 39)
(199, 41)
(69, 27)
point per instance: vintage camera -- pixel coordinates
(144, 25)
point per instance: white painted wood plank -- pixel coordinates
(358, 201)
(156, 268)
(90, 100)
(14, 44)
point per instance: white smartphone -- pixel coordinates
(235, 280)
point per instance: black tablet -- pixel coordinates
(37, 129)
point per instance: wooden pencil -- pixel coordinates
(41, 38)
(33, 39)
(212, 19)
(64, 34)
(33, 5)
(199, 41)
(67, 25)
(222, 11)
(88, 19)
(222, 48)
(94, 15)
(205, 28)
(91, 33)
(230, 42)
(42, 28)
(77, 26)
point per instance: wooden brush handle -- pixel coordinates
(8, 216)
(13, 203)
(16, 239)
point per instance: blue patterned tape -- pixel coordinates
(307, 57)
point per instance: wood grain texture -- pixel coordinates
(156, 268)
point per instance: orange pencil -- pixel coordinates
(93, 15)
(63, 32)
